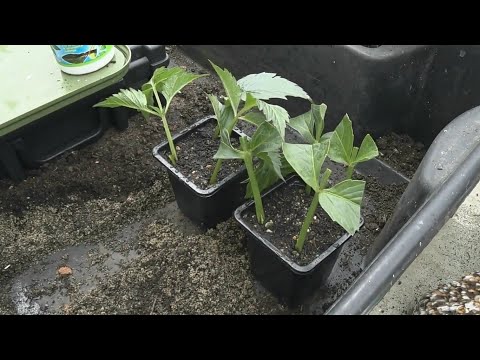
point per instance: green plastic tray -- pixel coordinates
(32, 85)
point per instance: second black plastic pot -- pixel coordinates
(291, 283)
(205, 207)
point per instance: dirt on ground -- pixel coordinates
(107, 213)
(401, 152)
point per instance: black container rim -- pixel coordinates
(210, 191)
(290, 263)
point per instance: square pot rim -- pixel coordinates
(176, 173)
(299, 269)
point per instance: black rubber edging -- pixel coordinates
(373, 283)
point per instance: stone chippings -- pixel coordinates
(456, 298)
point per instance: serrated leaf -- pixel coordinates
(176, 82)
(233, 91)
(226, 150)
(265, 139)
(342, 203)
(307, 160)
(254, 117)
(341, 142)
(161, 75)
(266, 86)
(147, 90)
(275, 114)
(133, 99)
(368, 150)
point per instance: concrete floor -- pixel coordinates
(453, 253)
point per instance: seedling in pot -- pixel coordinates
(251, 91)
(264, 144)
(341, 202)
(166, 81)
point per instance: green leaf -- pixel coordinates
(147, 90)
(226, 150)
(318, 118)
(223, 113)
(275, 159)
(266, 86)
(254, 117)
(307, 160)
(161, 75)
(342, 203)
(133, 99)
(250, 102)
(341, 142)
(233, 91)
(368, 150)
(217, 106)
(301, 124)
(275, 114)
(265, 139)
(176, 82)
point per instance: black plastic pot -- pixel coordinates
(206, 207)
(289, 282)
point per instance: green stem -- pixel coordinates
(350, 171)
(255, 190)
(307, 222)
(308, 189)
(218, 166)
(311, 211)
(173, 155)
(216, 133)
(173, 151)
(318, 133)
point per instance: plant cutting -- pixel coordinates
(253, 90)
(264, 144)
(291, 210)
(341, 202)
(208, 202)
(165, 81)
(207, 190)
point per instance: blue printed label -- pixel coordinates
(79, 55)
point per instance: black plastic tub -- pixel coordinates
(205, 207)
(289, 282)
(429, 92)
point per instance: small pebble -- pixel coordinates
(65, 271)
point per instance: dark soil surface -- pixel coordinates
(107, 211)
(285, 210)
(401, 152)
(195, 154)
